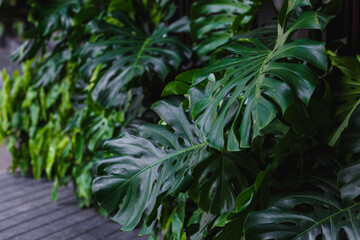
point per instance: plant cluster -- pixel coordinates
(89, 73)
(256, 138)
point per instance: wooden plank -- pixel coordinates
(26, 228)
(20, 186)
(11, 179)
(118, 235)
(27, 213)
(52, 226)
(23, 194)
(35, 196)
(6, 196)
(31, 214)
(99, 233)
(19, 183)
(32, 204)
(4, 175)
(75, 230)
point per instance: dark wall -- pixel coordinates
(346, 25)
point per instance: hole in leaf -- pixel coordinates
(170, 128)
(181, 141)
(319, 237)
(209, 175)
(343, 218)
(153, 185)
(304, 207)
(342, 235)
(174, 162)
(289, 223)
(162, 186)
(337, 198)
(195, 133)
(160, 168)
(357, 199)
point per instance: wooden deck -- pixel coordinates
(27, 213)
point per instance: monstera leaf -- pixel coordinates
(218, 180)
(48, 17)
(257, 81)
(213, 22)
(153, 164)
(328, 212)
(131, 55)
(346, 91)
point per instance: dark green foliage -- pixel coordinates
(268, 102)
(87, 83)
(261, 143)
(130, 56)
(154, 163)
(328, 211)
(214, 22)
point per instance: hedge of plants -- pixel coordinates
(245, 133)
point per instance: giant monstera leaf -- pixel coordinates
(130, 54)
(213, 22)
(152, 164)
(258, 80)
(329, 212)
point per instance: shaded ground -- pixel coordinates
(27, 213)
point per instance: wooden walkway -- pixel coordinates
(27, 213)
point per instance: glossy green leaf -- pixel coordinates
(217, 181)
(132, 55)
(349, 179)
(146, 166)
(214, 21)
(175, 88)
(317, 214)
(252, 84)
